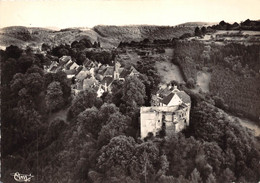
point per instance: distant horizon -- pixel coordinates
(89, 13)
(53, 27)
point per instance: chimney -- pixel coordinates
(106, 86)
(175, 88)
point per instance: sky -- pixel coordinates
(88, 13)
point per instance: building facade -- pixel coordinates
(170, 115)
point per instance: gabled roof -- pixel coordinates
(65, 58)
(120, 70)
(70, 72)
(164, 92)
(109, 71)
(107, 80)
(184, 96)
(87, 63)
(132, 69)
(68, 66)
(78, 70)
(53, 68)
(69, 62)
(124, 73)
(53, 63)
(102, 69)
(81, 75)
(168, 98)
(74, 63)
(181, 94)
(61, 64)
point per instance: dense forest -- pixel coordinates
(99, 140)
(253, 25)
(234, 72)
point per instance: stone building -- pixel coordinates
(170, 115)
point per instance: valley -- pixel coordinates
(131, 103)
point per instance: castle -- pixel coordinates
(170, 113)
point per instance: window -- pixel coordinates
(163, 117)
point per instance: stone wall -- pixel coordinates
(152, 119)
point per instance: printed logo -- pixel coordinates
(22, 177)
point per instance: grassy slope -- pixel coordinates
(109, 36)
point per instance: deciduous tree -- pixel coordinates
(54, 96)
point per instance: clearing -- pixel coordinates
(243, 121)
(167, 70)
(203, 79)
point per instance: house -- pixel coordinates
(70, 73)
(133, 71)
(102, 69)
(65, 59)
(99, 89)
(170, 115)
(109, 71)
(85, 72)
(70, 62)
(53, 66)
(67, 66)
(53, 69)
(116, 72)
(90, 64)
(176, 97)
(106, 83)
(122, 73)
(74, 65)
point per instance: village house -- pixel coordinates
(99, 90)
(84, 72)
(70, 73)
(64, 59)
(91, 74)
(90, 64)
(116, 72)
(170, 113)
(52, 68)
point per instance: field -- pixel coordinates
(224, 36)
(167, 70)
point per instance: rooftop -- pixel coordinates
(109, 71)
(181, 94)
(107, 80)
